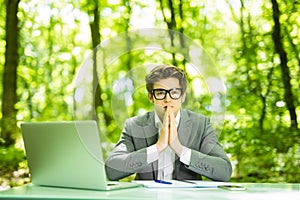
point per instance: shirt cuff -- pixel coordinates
(185, 156)
(152, 154)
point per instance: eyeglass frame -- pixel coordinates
(167, 92)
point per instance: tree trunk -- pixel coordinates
(97, 89)
(94, 26)
(9, 95)
(128, 57)
(288, 95)
(171, 24)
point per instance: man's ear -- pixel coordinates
(150, 97)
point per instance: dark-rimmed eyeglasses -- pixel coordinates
(160, 94)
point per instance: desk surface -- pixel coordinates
(256, 191)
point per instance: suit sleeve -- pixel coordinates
(209, 159)
(124, 160)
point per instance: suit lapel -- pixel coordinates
(184, 129)
(150, 131)
(184, 134)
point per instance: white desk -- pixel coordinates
(254, 191)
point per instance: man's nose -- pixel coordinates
(167, 98)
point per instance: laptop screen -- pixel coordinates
(64, 154)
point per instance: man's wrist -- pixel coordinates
(158, 148)
(178, 149)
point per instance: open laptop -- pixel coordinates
(67, 154)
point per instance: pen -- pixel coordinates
(187, 181)
(163, 182)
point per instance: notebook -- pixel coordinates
(67, 154)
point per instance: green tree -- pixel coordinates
(285, 71)
(258, 127)
(9, 84)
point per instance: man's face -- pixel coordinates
(161, 105)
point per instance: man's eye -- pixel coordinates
(160, 92)
(175, 91)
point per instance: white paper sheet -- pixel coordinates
(182, 184)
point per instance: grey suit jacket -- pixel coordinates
(194, 131)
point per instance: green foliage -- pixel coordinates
(10, 159)
(262, 156)
(13, 167)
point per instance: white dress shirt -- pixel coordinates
(166, 158)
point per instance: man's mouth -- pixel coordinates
(165, 107)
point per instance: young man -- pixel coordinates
(170, 142)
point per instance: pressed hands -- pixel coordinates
(169, 134)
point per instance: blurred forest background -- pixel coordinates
(254, 45)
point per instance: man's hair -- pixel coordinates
(164, 72)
